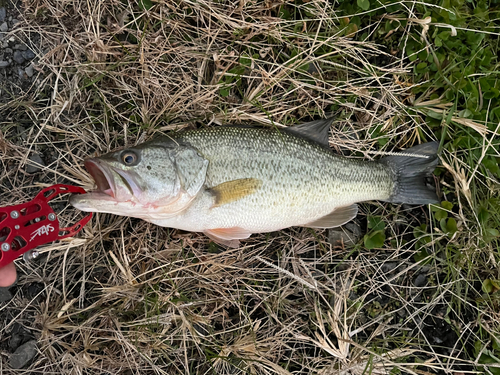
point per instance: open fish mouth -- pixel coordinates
(115, 184)
(102, 177)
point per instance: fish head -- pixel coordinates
(140, 180)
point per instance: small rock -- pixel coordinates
(425, 269)
(28, 54)
(4, 64)
(8, 50)
(34, 290)
(389, 266)
(355, 229)
(437, 339)
(29, 70)
(4, 27)
(15, 341)
(339, 236)
(18, 57)
(420, 280)
(312, 68)
(202, 331)
(15, 21)
(3, 14)
(5, 295)
(21, 47)
(402, 313)
(32, 168)
(18, 336)
(23, 355)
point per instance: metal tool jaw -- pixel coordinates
(23, 227)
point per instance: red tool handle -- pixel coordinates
(26, 226)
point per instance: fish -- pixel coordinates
(232, 181)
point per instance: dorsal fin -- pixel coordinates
(316, 131)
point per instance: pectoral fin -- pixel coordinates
(231, 191)
(227, 236)
(340, 216)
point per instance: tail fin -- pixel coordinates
(410, 173)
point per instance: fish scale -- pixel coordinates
(301, 181)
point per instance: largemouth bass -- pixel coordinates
(230, 182)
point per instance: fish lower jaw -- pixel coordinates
(99, 201)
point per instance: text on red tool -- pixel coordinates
(26, 226)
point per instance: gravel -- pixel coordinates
(18, 59)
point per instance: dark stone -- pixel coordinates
(384, 298)
(420, 280)
(200, 329)
(389, 266)
(4, 27)
(18, 336)
(34, 290)
(348, 235)
(3, 14)
(29, 70)
(28, 54)
(339, 237)
(31, 168)
(18, 57)
(354, 228)
(23, 355)
(4, 64)
(5, 295)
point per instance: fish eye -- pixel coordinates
(129, 158)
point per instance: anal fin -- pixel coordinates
(227, 236)
(339, 216)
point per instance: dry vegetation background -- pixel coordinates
(127, 297)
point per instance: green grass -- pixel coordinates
(129, 297)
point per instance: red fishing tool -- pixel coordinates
(23, 227)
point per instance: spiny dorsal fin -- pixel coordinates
(340, 216)
(231, 191)
(316, 131)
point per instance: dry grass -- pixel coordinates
(129, 297)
